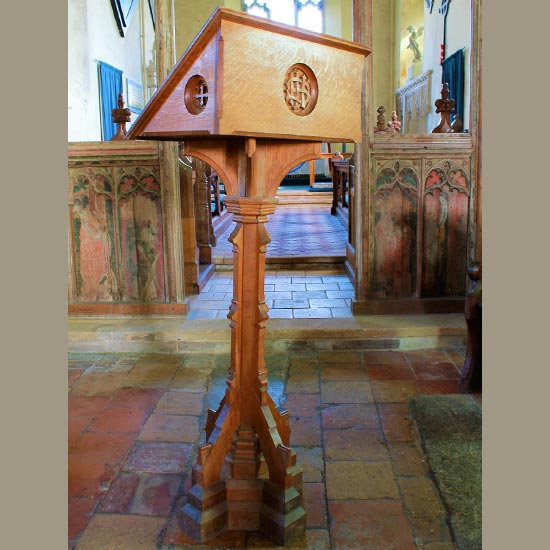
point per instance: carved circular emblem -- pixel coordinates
(300, 89)
(196, 94)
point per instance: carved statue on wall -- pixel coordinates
(413, 43)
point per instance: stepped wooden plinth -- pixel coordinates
(253, 114)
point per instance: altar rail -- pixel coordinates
(117, 236)
(419, 224)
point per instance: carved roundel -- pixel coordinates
(196, 94)
(300, 89)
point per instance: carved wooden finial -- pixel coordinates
(120, 116)
(381, 120)
(445, 106)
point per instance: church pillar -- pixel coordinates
(168, 154)
(362, 33)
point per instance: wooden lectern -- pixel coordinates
(253, 99)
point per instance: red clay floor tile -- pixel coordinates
(343, 371)
(346, 392)
(101, 448)
(122, 532)
(180, 402)
(350, 415)
(438, 386)
(120, 421)
(120, 494)
(77, 426)
(97, 383)
(170, 427)
(426, 356)
(315, 504)
(419, 497)
(305, 431)
(135, 398)
(389, 371)
(396, 421)
(435, 371)
(175, 536)
(86, 479)
(353, 444)
(360, 479)
(407, 459)
(160, 458)
(156, 494)
(375, 356)
(303, 405)
(310, 460)
(369, 525)
(80, 513)
(80, 405)
(393, 391)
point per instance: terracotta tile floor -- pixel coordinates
(135, 421)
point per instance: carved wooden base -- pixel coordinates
(260, 489)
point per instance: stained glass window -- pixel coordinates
(306, 14)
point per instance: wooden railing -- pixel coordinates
(343, 196)
(340, 186)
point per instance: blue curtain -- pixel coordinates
(453, 75)
(110, 85)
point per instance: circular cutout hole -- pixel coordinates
(196, 94)
(300, 89)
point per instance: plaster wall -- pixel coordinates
(458, 36)
(190, 17)
(383, 48)
(93, 36)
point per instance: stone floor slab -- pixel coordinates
(360, 480)
(353, 444)
(170, 428)
(346, 392)
(121, 532)
(161, 458)
(353, 415)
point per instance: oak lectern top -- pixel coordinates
(248, 76)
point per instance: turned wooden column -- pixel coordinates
(246, 476)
